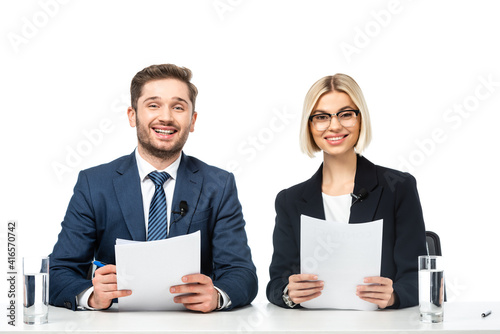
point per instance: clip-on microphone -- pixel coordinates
(360, 196)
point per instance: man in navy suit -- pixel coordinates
(113, 200)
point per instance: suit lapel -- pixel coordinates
(366, 177)
(128, 192)
(311, 203)
(187, 188)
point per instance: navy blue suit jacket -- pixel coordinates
(107, 204)
(392, 196)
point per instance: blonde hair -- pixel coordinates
(340, 83)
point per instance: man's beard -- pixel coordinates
(145, 143)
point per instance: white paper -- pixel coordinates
(150, 268)
(342, 255)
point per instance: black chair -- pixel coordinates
(433, 243)
(434, 248)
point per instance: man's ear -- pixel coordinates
(193, 120)
(131, 116)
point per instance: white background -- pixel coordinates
(66, 68)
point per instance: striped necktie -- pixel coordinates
(157, 223)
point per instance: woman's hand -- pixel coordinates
(304, 287)
(379, 291)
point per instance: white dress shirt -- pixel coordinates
(148, 187)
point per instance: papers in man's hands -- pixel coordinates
(342, 255)
(150, 268)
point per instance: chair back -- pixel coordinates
(433, 243)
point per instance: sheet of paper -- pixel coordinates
(342, 255)
(150, 268)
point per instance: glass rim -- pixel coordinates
(429, 256)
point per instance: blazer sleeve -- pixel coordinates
(409, 242)
(234, 271)
(286, 255)
(71, 257)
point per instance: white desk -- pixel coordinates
(460, 318)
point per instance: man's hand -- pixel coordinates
(105, 288)
(379, 291)
(201, 293)
(304, 287)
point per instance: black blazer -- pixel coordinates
(392, 196)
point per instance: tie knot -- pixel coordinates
(159, 178)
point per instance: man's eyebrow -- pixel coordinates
(180, 99)
(152, 98)
(156, 98)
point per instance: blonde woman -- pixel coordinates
(347, 188)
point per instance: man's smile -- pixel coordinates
(164, 130)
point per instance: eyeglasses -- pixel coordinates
(322, 121)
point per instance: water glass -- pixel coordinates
(431, 288)
(36, 290)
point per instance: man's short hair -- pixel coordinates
(340, 83)
(158, 72)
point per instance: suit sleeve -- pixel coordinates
(71, 257)
(286, 255)
(409, 242)
(234, 271)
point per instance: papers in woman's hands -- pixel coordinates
(150, 268)
(342, 255)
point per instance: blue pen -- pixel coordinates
(98, 264)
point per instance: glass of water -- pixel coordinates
(431, 288)
(36, 290)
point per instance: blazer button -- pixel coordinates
(68, 305)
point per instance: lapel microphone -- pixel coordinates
(360, 196)
(183, 207)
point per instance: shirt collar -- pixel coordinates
(145, 167)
